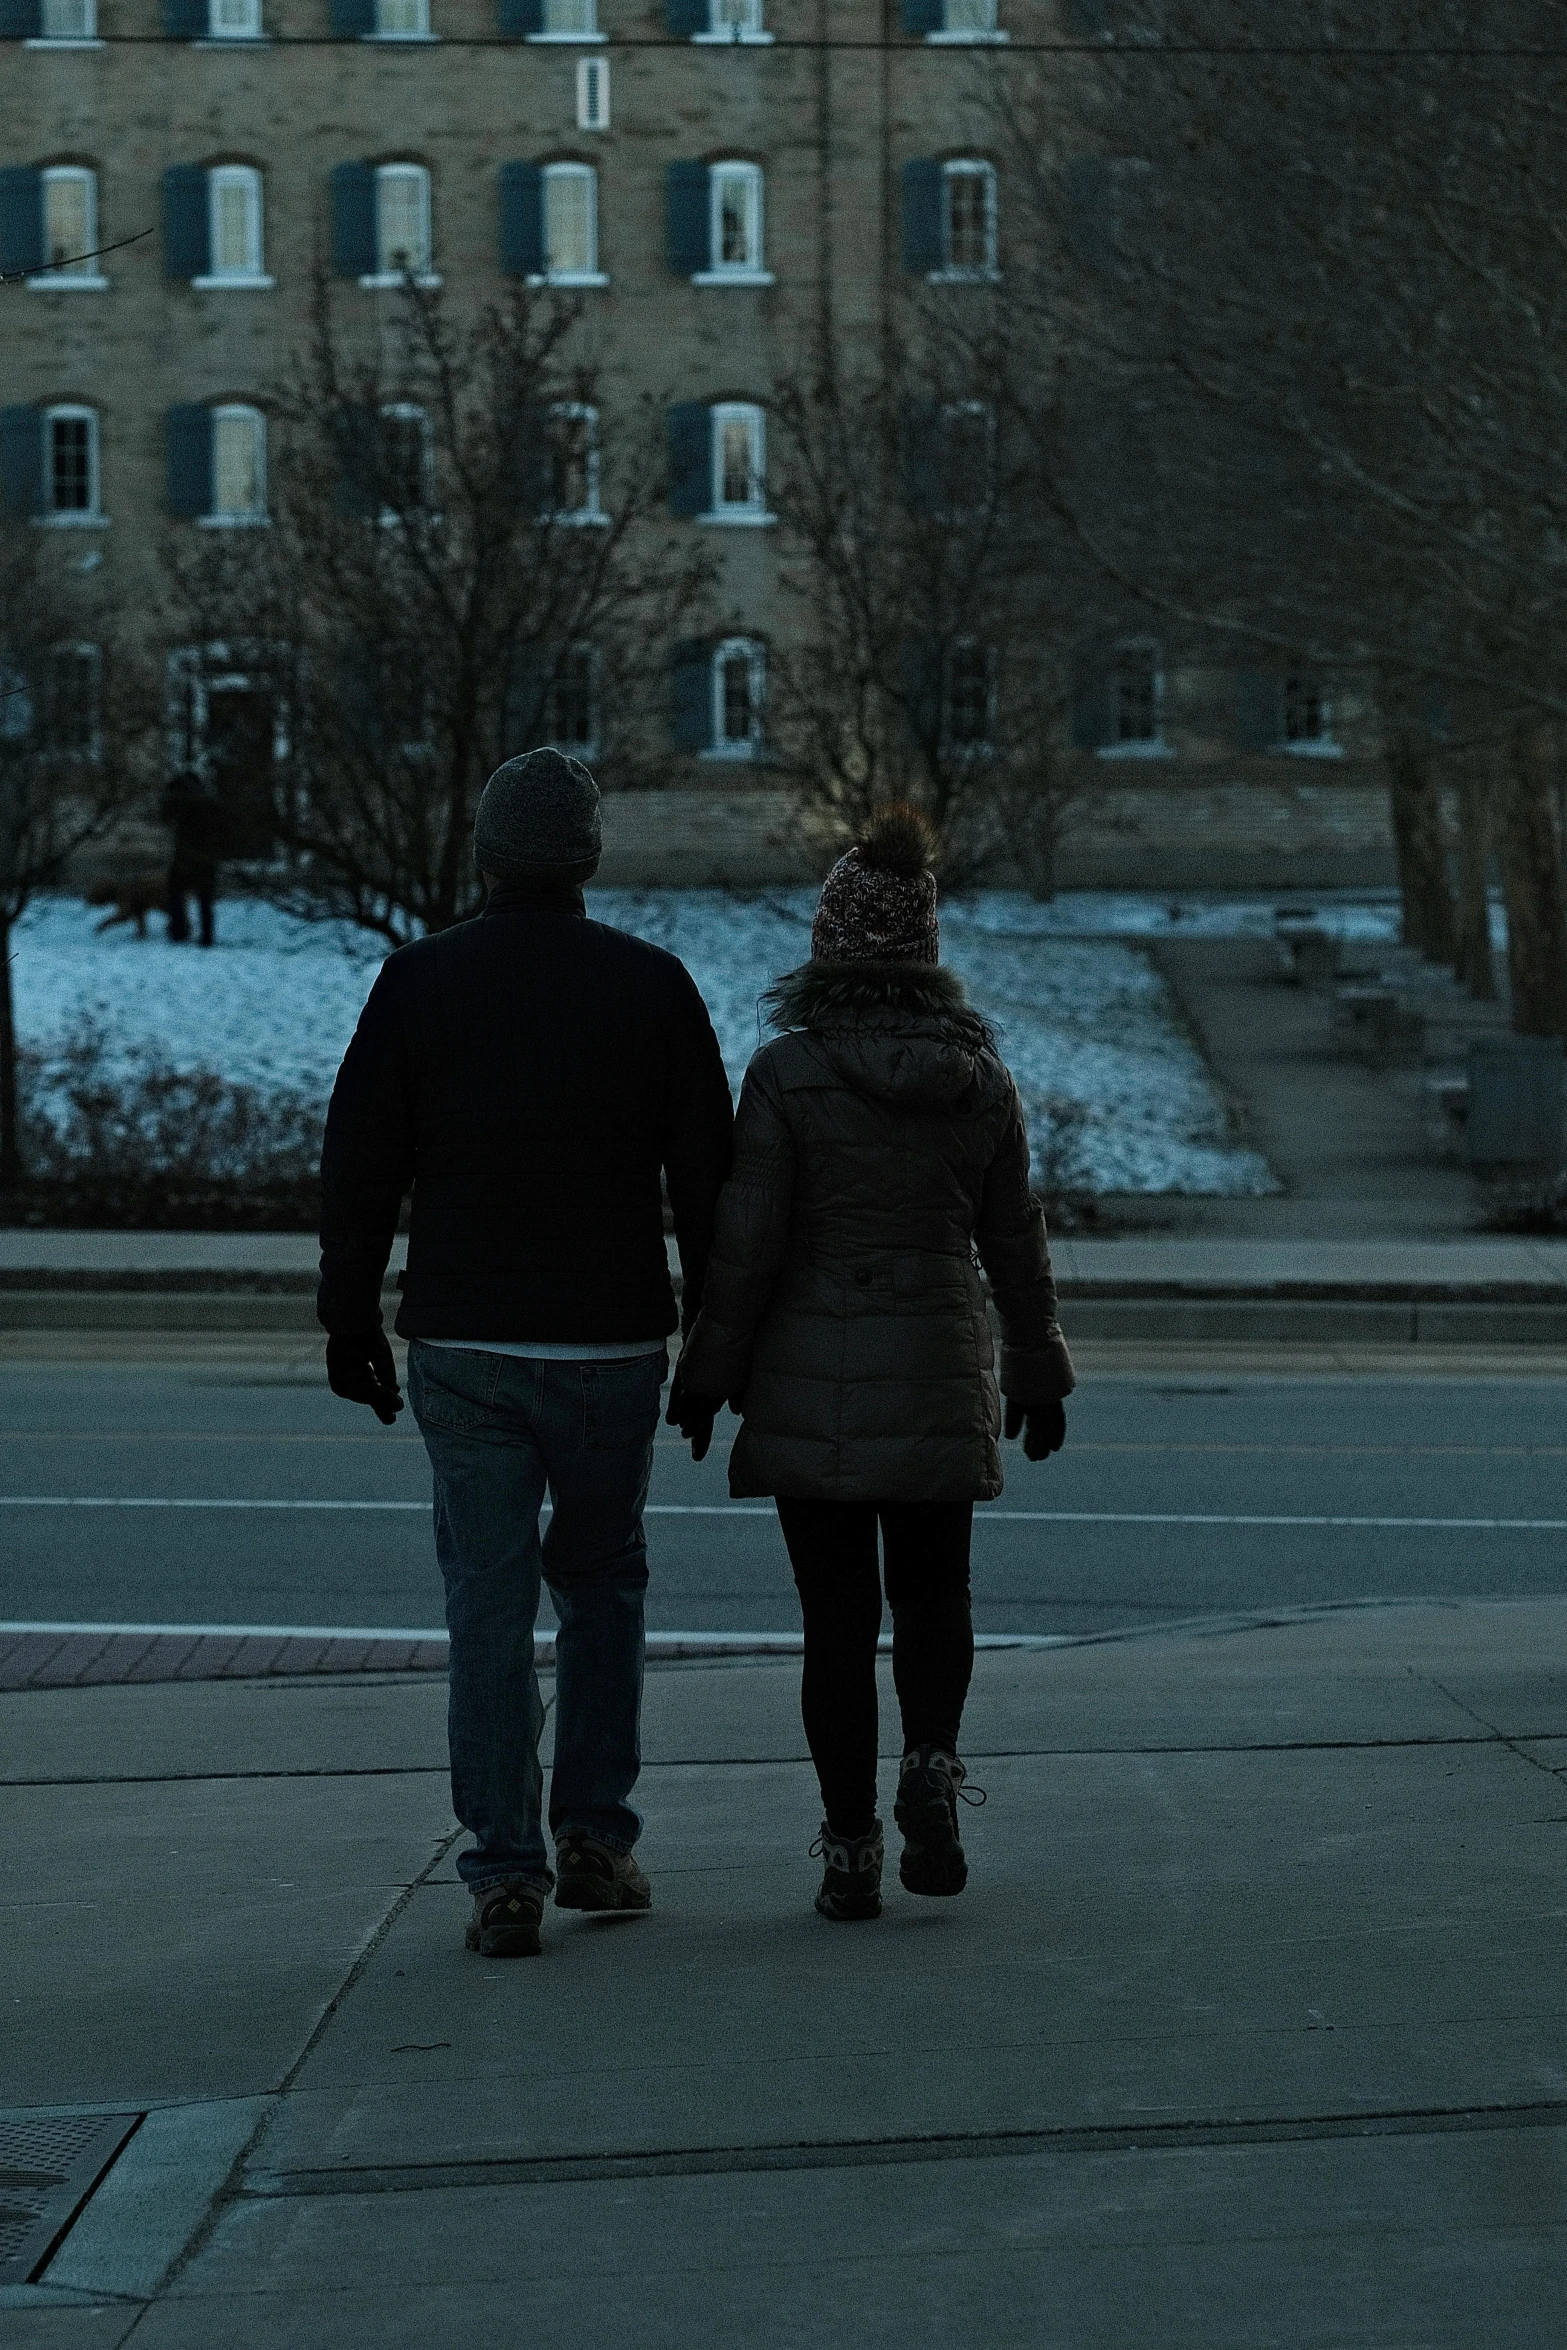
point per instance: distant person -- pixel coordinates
(527, 1076)
(879, 1142)
(191, 810)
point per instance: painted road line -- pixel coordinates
(664, 1643)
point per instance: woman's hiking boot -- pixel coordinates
(591, 1875)
(851, 1874)
(505, 1921)
(930, 1782)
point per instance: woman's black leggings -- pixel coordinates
(832, 1549)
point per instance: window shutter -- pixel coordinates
(21, 221)
(686, 18)
(353, 20)
(1259, 709)
(186, 20)
(185, 243)
(1090, 702)
(690, 431)
(922, 16)
(21, 461)
(922, 217)
(687, 221)
(353, 220)
(522, 220)
(21, 20)
(519, 18)
(693, 695)
(189, 443)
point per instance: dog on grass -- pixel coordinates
(130, 898)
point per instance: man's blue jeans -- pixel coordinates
(500, 1432)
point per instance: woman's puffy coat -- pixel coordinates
(879, 1145)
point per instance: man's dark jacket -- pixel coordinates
(526, 1075)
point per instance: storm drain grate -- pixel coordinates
(49, 2165)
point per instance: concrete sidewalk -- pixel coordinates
(1248, 2031)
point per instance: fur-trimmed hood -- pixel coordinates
(905, 1033)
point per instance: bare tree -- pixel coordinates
(75, 733)
(463, 560)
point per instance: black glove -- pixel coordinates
(1042, 1427)
(693, 1415)
(361, 1370)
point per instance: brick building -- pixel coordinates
(720, 181)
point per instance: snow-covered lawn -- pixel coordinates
(1084, 1017)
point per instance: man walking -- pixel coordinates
(527, 1075)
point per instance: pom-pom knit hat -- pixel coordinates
(878, 904)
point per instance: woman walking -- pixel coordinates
(879, 1143)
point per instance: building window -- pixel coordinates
(1136, 699)
(738, 671)
(402, 20)
(402, 221)
(970, 696)
(731, 20)
(967, 20)
(569, 20)
(1308, 716)
(734, 192)
(70, 225)
(405, 460)
(234, 252)
(70, 483)
(592, 93)
(571, 226)
(968, 239)
(572, 710)
(73, 701)
(68, 20)
(739, 457)
(239, 466)
(968, 456)
(574, 462)
(233, 20)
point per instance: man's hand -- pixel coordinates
(1042, 1427)
(361, 1370)
(693, 1415)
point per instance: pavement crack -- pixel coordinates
(1501, 1738)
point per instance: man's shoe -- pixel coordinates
(929, 1783)
(505, 1921)
(591, 1875)
(851, 1874)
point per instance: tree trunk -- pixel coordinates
(1428, 920)
(1532, 885)
(1474, 965)
(10, 1123)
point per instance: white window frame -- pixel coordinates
(593, 106)
(753, 515)
(553, 175)
(80, 648)
(951, 411)
(251, 30)
(420, 31)
(968, 273)
(586, 751)
(724, 35)
(87, 38)
(387, 278)
(192, 675)
(552, 33)
(951, 36)
(410, 411)
(257, 518)
(1151, 746)
(254, 276)
(88, 517)
(735, 273)
(68, 281)
(730, 747)
(590, 512)
(1323, 745)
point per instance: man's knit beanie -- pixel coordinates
(539, 812)
(878, 903)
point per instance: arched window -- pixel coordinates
(968, 220)
(739, 674)
(735, 226)
(234, 236)
(571, 224)
(70, 467)
(239, 465)
(402, 219)
(70, 225)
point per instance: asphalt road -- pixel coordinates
(1179, 1495)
